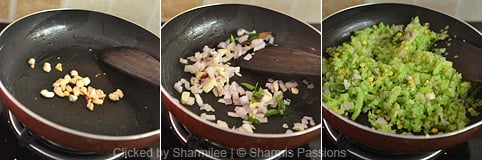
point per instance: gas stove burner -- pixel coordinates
(48, 149)
(205, 148)
(364, 152)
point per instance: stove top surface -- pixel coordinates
(9, 145)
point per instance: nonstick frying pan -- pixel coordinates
(338, 28)
(190, 31)
(75, 38)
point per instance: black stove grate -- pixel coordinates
(46, 149)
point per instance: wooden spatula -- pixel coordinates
(284, 61)
(134, 62)
(274, 60)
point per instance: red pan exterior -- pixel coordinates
(374, 139)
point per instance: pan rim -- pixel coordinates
(400, 136)
(393, 135)
(400, 3)
(59, 127)
(239, 4)
(175, 101)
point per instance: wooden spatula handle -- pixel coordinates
(134, 62)
(284, 61)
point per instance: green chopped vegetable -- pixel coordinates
(231, 38)
(249, 86)
(279, 99)
(358, 105)
(282, 109)
(286, 110)
(389, 73)
(253, 120)
(272, 112)
(281, 104)
(251, 36)
(258, 93)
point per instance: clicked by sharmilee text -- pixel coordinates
(240, 153)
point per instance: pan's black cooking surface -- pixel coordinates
(467, 150)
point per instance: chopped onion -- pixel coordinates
(248, 57)
(270, 39)
(207, 107)
(244, 100)
(346, 84)
(299, 126)
(236, 100)
(347, 106)
(223, 45)
(183, 61)
(221, 100)
(381, 120)
(185, 82)
(310, 86)
(222, 124)
(282, 86)
(357, 76)
(246, 127)
(243, 38)
(430, 96)
(263, 119)
(285, 125)
(310, 120)
(212, 73)
(233, 114)
(208, 117)
(442, 120)
(241, 112)
(241, 32)
(291, 84)
(199, 100)
(275, 86)
(287, 101)
(288, 131)
(304, 121)
(258, 44)
(178, 87)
